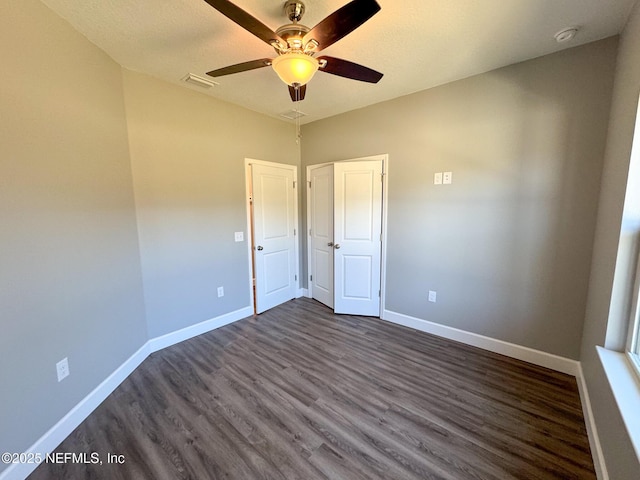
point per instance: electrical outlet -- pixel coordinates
(432, 296)
(447, 178)
(437, 178)
(239, 236)
(62, 367)
(220, 292)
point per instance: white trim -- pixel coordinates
(592, 431)
(307, 182)
(384, 157)
(67, 424)
(633, 335)
(634, 361)
(296, 222)
(56, 434)
(303, 292)
(537, 357)
(191, 331)
(625, 386)
(61, 430)
(385, 210)
(249, 191)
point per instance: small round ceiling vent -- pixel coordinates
(566, 34)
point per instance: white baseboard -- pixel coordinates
(191, 331)
(50, 440)
(537, 357)
(61, 430)
(302, 292)
(592, 431)
(56, 434)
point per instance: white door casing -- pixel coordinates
(321, 234)
(274, 204)
(358, 237)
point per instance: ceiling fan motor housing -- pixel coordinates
(294, 10)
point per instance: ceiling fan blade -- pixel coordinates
(246, 21)
(347, 69)
(297, 93)
(341, 22)
(240, 67)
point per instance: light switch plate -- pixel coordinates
(62, 368)
(432, 296)
(447, 178)
(437, 178)
(239, 236)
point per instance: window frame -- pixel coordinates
(633, 337)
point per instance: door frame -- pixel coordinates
(250, 238)
(385, 194)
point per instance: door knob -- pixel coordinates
(260, 248)
(330, 244)
(337, 246)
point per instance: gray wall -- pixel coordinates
(187, 155)
(507, 246)
(72, 265)
(615, 251)
(70, 281)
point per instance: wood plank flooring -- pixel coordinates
(300, 393)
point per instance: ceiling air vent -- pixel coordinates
(198, 81)
(293, 114)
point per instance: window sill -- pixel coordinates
(625, 385)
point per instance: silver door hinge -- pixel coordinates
(296, 278)
(379, 293)
(309, 232)
(309, 182)
(311, 278)
(294, 184)
(294, 232)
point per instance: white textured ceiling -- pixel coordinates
(417, 44)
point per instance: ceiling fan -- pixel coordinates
(297, 44)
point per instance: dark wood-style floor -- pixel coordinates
(300, 393)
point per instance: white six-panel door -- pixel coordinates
(357, 237)
(273, 194)
(321, 234)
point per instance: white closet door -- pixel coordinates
(357, 237)
(321, 203)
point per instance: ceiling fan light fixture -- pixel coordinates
(295, 68)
